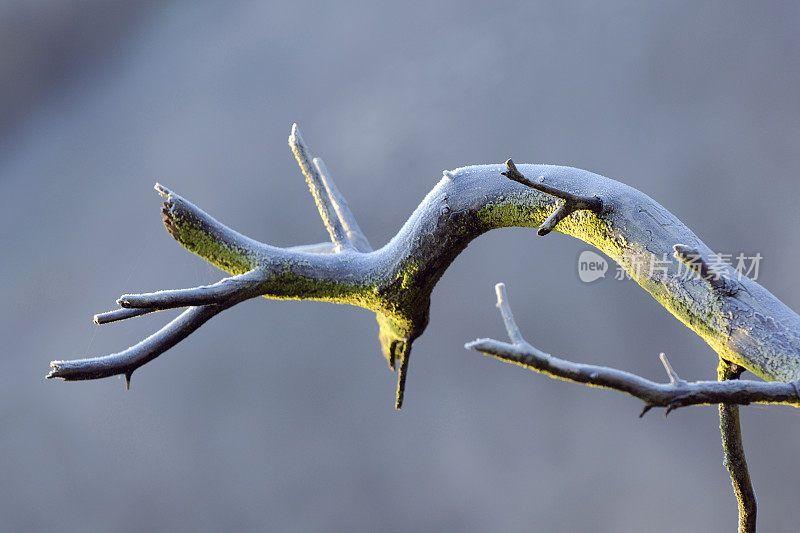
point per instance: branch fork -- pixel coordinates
(572, 202)
(396, 281)
(677, 393)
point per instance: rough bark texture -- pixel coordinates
(743, 322)
(746, 325)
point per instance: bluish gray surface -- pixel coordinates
(695, 105)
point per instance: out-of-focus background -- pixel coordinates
(279, 416)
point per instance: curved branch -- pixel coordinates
(126, 361)
(746, 325)
(677, 393)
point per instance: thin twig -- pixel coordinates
(318, 190)
(402, 373)
(508, 316)
(126, 361)
(121, 314)
(195, 296)
(735, 461)
(677, 393)
(354, 234)
(572, 202)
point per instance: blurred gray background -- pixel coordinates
(279, 415)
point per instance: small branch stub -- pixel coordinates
(711, 274)
(571, 204)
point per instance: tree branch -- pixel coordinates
(126, 361)
(335, 213)
(121, 314)
(735, 461)
(677, 393)
(218, 293)
(749, 326)
(572, 202)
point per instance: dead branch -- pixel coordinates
(742, 321)
(672, 395)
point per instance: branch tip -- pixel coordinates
(674, 378)
(163, 191)
(508, 317)
(121, 314)
(332, 207)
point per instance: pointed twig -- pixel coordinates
(202, 295)
(711, 274)
(508, 317)
(402, 373)
(673, 376)
(354, 234)
(121, 314)
(126, 361)
(677, 393)
(318, 190)
(572, 202)
(735, 461)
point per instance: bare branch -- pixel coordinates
(126, 361)
(508, 317)
(676, 393)
(673, 376)
(217, 293)
(735, 461)
(354, 234)
(319, 191)
(572, 202)
(201, 234)
(751, 328)
(121, 314)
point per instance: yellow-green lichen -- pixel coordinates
(228, 258)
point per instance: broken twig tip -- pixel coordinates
(163, 191)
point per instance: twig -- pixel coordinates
(121, 314)
(571, 204)
(326, 202)
(677, 393)
(203, 295)
(735, 461)
(402, 373)
(126, 361)
(354, 234)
